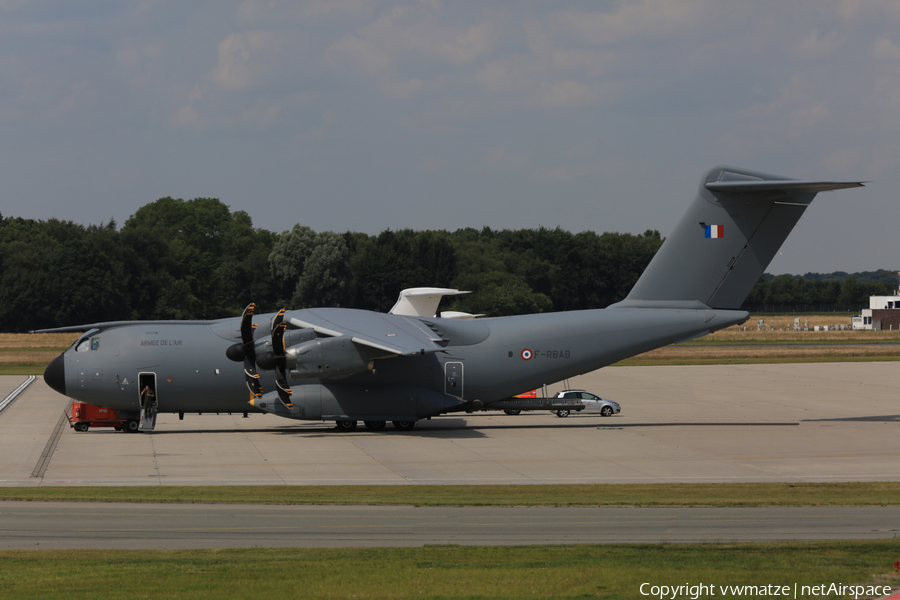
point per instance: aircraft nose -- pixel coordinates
(55, 374)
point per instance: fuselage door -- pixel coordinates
(149, 401)
(453, 379)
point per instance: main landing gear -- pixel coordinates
(345, 426)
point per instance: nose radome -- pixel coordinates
(55, 374)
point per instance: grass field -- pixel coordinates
(779, 343)
(676, 494)
(30, 353)
(589, 571)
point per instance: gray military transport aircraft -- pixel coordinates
(347, 365)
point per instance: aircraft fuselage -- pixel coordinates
(484, 360)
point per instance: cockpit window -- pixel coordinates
(88, 344)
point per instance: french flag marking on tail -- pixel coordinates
(715, 231)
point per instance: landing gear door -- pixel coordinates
(148, 400)
(453, 379)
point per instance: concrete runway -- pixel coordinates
(60, 525)
(785, 422)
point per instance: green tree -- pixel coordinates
(849, 292)
(217, 254)
(326, 279)
(497, 294)
(393, 261)
(286, 260)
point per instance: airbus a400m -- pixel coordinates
(347, 365)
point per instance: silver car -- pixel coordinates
(592, 403)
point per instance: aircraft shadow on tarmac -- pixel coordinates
(614, 425)
(466, 429)
(458, 427)
(873, 419)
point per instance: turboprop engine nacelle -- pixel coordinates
(265, 352)
(328, 357)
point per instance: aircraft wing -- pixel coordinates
(393, 334)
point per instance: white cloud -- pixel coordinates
(135, 55)
(886, 97)
(797, 107)
(563, 173)
(846, 161)
(851, 9)
(260, 117)
(500, 158)
(548, 77)
(360, 54)
(629, 20)
(884, 48)
(566, 93)
(816, 45)
(409, 88)
(273, 12)
(197, 92)
(408, 48)
(246, 58)
(187, 116)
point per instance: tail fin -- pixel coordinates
(725, 241)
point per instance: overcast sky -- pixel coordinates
(365, 115)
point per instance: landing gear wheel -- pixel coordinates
(130, 426)
(375, 425)
(345, 425)
(512, 411)
(606, 411)
(82, 427)
(404, 425)
(562, 413)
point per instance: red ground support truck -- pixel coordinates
(84, 416)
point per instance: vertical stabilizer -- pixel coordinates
(725, 241)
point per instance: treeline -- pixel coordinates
(818, 292)
(196, 259)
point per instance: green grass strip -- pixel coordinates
(22, 369)
(585, 571)
(673, 494)
(714, 343)
(657, 362)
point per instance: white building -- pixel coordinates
(868, 320)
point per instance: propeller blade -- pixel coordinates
(252, 378)
(247, 328)
(284, 390)
(278, 320)
(278, 342)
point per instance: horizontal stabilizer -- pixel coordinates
(788, 186)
